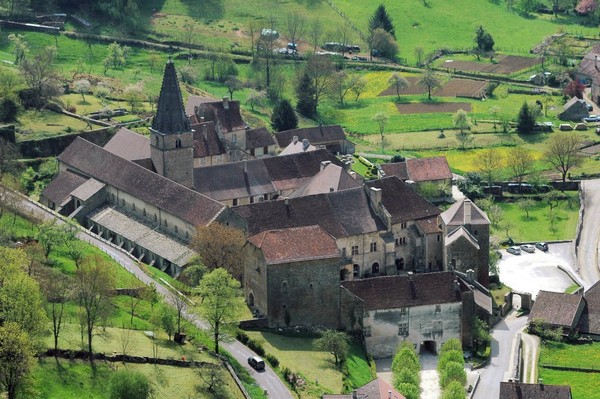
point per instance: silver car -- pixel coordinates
(514, 250)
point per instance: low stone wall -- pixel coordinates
(53, 146)
(82, 355)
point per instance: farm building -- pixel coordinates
(574, 110)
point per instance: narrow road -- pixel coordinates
(503, 336)
(531, 354)
(266, 379)
(587, 250)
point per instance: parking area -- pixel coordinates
(532, 272)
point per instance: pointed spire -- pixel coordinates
(170, 114)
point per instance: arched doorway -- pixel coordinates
(356, 270)
(428, 347)
(251, 299)
(375, 269)
(399, 264)
(344, 274)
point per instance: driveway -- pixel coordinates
(532, 272)
(587, 251)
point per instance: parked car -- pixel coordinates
(528, 248)
(592, 118)
(514, 250)
(256, 363)
(542, 246)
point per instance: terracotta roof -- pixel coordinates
(376, 389)
(295, 244)
(170, 114)
(429, 225)
(428, 169)
(129, 145)
(521, 390)
(556, 308)
(61, 186)
(225, 112)
(590, 319)
(341, 213)
(393, 292)
(258, 138)
(588, 65)
(397, 169)
(206, 140)
(330, 178)
(91, 160)
(316, 135)
(402, 202)
(456, 215)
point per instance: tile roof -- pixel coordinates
(316, 135)
(298, 147)
(260, 137)
(225, 112)
(129, 145)
(428, 169)
(341, 213)
(556, 308)
(170, 113)
(91, 160)
(429, 225)
(397, 169)
(62, 185)
(295, 244)
(402, 202)
(376, 389)
(195, 101)
(392, 292)
(459, 233)
(330, 178)
(590, 319)
(456, 215)
(521, 390)
(589, 66)
(206, 140)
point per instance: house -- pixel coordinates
(376, 389)
(588, 72)
(423, 171)
(521, 390)
(260, 143)
(292, 272)
(330, 178)
(332, 138)
(558, 310)
(297, 146)
(574, 110)
(589, 324)
(209, 149)
(466, 230)
(424, 309)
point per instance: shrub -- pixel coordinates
(129, 385)
(256, 347)
(9, 107)
(453, 372)
(449, 356)
(273, 361)
(410, 391)
(242, 337)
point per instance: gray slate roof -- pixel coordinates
(170, 114)
(258, 138)
(590, 319)
(90, 160)
(556, 308)
(330, 178)
(455, 215)
(315, 135)
(61, 186)
(521, 390)
(129, 145)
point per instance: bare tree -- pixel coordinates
(315, 33)
(218, 246)
(398, 82)
(295, 29)
(358, 87)
(429, 81)
(343, 33)
(253, 30)
(519, 161)
(319, 69)
(488, 162)
(341, 84)
(189, 35)
(381, 118)
(57, 290)
(211, 375)
(562, 152)
(40, 76)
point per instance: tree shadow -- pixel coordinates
(208, 9)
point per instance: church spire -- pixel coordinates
(170, 114)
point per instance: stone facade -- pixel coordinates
(173, 156)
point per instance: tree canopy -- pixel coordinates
(283, 116)
(335, 342)
(382, 20)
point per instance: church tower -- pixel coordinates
(171, 138)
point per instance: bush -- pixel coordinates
(256, 347)
(273, 361)
(449, 356)
(129, 385)
(9, 108)
(242, 337)
(410, 391)
(453, 372)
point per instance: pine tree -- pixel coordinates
(525, 119)
(381, 19)
(283, 116)
(305, 93)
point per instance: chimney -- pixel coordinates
(325, 164)
(205, 131)
(226, 102)
(295, 139)
(375, 195)
(467, 209)
(470, 275)
(347, 166)
(305, 144)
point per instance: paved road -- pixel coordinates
(531, 353)
(587, 251)
(266, 379)
(503, 335)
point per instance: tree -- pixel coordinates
(220, 246)
(525, 119)
(484, 43)
(407, 358)
(471, 185)
(283, 116)
(9, 153)
(587, 7)
(20, 45)
(135, 298)
(335, 342)
(453, 344)
(558, 4)
(51, 234)
(359, 87)
(315, 32)
(381, 118)
(128, 384)
(449, 356)
(526, 204)
(488, 162)
(189, 35)
(453, 372)
(429, 81)
(305, 94)
(409, 391)
(398, 82)
(153, 60)
(547, 100)
(16, 358)
(166, 320)
(82, 87)
(381, 20)
(319, 69)
(460, 120)
(295, 28)
(405, 376)
(93, 289)
(454, 390)
(134, 95)
(481, 334)
(256, 98)
(342, 84)
(562, 152)
(115, 56)
(192, 274)
(384, 43)
(574, 89)
(9, 108)
(519, 161)
(40, 77)
(233, 84)
(527, 6)
(220, 305)
(212, 378)
(57, 291)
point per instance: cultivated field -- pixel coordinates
(504, 65)
(432, 108)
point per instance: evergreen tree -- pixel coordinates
(283, 116)
(483, 40)
(382, 20)
(525, 119)
(305, 93)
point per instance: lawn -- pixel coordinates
(562, 354)
(583, 385)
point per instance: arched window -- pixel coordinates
(178, 143)
(356, 270)
(375, 268)
(399, 264)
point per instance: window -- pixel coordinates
(235, 202)
(123, 202)
(475, 232)
(155, 218)
(133, 206)
(166, 223)
(252, 151)
(354, 250)
(438, 308)
(234, 138)
(403, 225)
(144, 212)
(156, 141)
(355, 270)
(438, 237)
(403, 329)
(403, 311)
(373, 247)
(176, 229)
(252, 200)
(202, 161)
(367, 331)
(178, 143)
(438, 326)
(343, 252)
(400, 241)
(375, 268)
(397, 241)
(265, 150)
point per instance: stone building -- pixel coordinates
(331, 138)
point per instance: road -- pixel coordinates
(503, 335)
(587, 250)
(266, 379)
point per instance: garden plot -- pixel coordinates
(432, 108)
(505, 65)
(463, 88)
(413, 88)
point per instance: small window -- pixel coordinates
(403, 311)
(354, 250)
(123, 202)
(355, 270)
(475, 232)
(252, 151)
(375, 268)
(178, 143)
(235, 202)
(397, 241)
(403, 329)
(156, 141)
(166, 223)
(176, 229)
(234, 138)
(373, 247)
(265, 150)
(367, 331)
(439, 237)
(343, 252)
(438, 308)
(144, 212)
(252, 200)
(155, 218)
(402, 225)
(133, 206)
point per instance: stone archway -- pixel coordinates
(344, 275)
(520, 300)
(428, 347)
